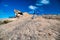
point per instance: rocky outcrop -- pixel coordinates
(17, 13)
(26, 28)
(51, 17)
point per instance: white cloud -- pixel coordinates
(32, 7)
(39, 4)
(45, 1)
(42, 2)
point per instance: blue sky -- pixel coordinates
(41, 6)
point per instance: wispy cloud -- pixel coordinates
(38, 4)
(45, 1)
(42, 2)
(32, 7)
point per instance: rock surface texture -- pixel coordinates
(25, 28)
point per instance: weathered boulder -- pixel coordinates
(18, 13)
(26, 28)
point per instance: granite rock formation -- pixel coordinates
(26, 28)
